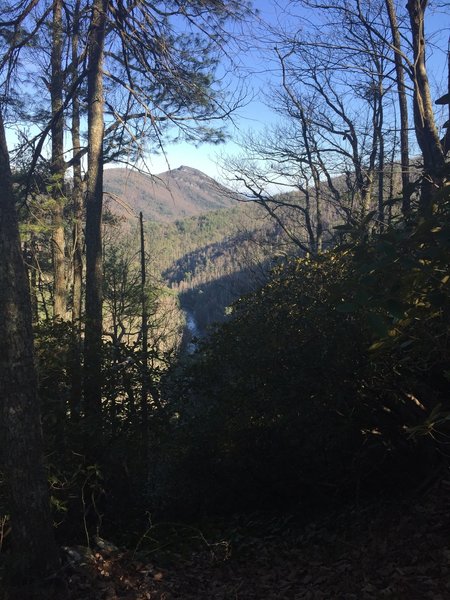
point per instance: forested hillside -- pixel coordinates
(299, 448)
(209, 259)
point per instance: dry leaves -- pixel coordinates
(395, 552)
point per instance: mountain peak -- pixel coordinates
(183, 169)
(175, 194)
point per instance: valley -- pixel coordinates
(204, 243)
(213, 393)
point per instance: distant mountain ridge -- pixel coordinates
(172, 195)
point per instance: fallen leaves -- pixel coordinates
(392, 552)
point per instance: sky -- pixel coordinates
(254, 115)
(259, 72)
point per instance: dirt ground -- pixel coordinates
(394, 551)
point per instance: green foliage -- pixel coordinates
(213, 259)
(88, 492)
(322, 379)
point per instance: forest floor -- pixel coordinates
(391, 550)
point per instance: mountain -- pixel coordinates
(176, 194)
(206, 246)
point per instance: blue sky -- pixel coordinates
(257, 70)
(255, 115)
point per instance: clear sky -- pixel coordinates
(259, 72)
(255, 73)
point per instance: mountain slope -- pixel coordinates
(172, 195)
(208, 247)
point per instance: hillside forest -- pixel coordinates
(234, 390)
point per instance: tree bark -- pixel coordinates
(424, 123)
(33, 544)
(144, 345)
(94, 205)
(58, 166)
(77, 250)
(381, 211)
(403, 106)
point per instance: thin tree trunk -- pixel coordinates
(144, 344)
(94, 202)
(58, 167)
(77, 252)
(425, 126)
(33, 284)
(42, 290)
(31, 277)
(315, 235)
(369, 174)
(379, 134)
(33, 544)
(381, 210)
(403, 105)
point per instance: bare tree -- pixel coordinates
(403, 106)
(331, 147)
(344, 79)
(424, 121)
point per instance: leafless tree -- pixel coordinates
(345, 83)
(331, 146)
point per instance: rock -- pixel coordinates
(106, 548)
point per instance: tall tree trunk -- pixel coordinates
(27, 253)
(144, 345)
(425, 126)
(378, 133)
(34, 547)
(77, 250)
(33, 283)
(381, 198)
(403, 105)
(315, 234)
(94, 201)
(58, 166)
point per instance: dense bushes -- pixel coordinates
(323, 380)
(97, 471)
(329, 382)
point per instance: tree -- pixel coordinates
(156, 77)
(58, 165)
(345, 86)
(167, 77)
(331, 143)
(94, 203)
(34, 547)
(33, 544)
(403, 105)
(77, 229)
(414, 64)
(424, 123)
